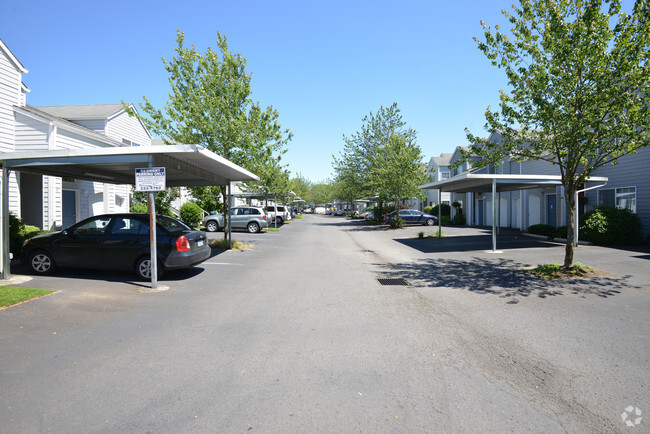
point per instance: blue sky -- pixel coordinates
(322, 65)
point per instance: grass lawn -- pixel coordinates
(10, 295)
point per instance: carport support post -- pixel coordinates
(153, 240)
(6, 256)
(576, 226)
(439, 213)
(494, 215)
(228, 192)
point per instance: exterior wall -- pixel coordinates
(11, 92)
(124, 126)
(98, 125)
(629, 172)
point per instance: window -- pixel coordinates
(126, 142)
(496, 169)
(624, 198)
(445, 175)
(129, 226)
(93, 227)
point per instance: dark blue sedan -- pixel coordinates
(413, 217)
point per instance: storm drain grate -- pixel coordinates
(394, 281)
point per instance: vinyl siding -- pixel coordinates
(31, 135)
(629, 172)
(95, 125)
(10, 90)
(69, 140)
(124, 126)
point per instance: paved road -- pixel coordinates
(297, 335)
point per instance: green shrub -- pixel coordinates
(139, 207)
(560, 232)
(614, 226)
(396, 223)
(446, 210)
(420, 235)
(459, 219)
(191, 214)
(19, 232)
(444, 220)
(542, 229)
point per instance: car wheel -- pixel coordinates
(42, 262)
(430, 222)
(143, 268)
(279, 220)
(212, 226)
(253, 227)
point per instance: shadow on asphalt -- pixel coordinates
(467, 243)
(500, 277)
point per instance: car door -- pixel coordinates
(82, 244)
(406, 216)
(237, 218)
(125, 240)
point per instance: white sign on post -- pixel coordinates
(150, 179)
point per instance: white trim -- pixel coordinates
(19, 66)
(84, 132)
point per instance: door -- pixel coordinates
(126, 239)
(479, 212)
(81, 247)
(69, 208)
(551, 212)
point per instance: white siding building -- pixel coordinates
(52, 202)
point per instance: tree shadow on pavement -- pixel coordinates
(504, 278)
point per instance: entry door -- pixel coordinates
(551, 215)
(479, 212)
(69, 208)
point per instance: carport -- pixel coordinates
(497, 183)
(185, 165)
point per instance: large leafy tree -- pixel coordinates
(400, 163)
(579, 76)
(210, 105)
(362, 163)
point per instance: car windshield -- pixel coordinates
(171, 225)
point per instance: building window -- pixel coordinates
(128, 142)
(496, 169)
(445, 175)
(624, 198)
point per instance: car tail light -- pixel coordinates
(264, 218)
(182, 244)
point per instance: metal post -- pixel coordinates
(6, 256)
(228, 192)
(575, 223)
(153, 240)
(439, 213)
(494, 215)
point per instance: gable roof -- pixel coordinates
(19, 66)
(443, 159)
(66, 124)
(83, 112)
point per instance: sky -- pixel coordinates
(323, 65)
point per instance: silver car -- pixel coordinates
(251, 218)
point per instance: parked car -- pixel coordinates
(368, 214)
(278, 213)
(412, 217)
(117, 242)
(251, 218)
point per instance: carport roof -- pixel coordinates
(474, 182)
(186, 165)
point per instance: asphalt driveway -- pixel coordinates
(297, 334)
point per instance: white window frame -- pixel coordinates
(619, 194)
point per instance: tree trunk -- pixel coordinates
(572, 224)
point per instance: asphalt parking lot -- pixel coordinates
(297, 334)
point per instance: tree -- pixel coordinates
(209, 105)
(400, 163)
(363, 163)
(320, 194)
(163, 200)
(579, 86)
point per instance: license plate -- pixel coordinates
(199, 243)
